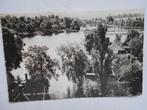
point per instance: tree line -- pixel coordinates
(46, 25)
(126, 20)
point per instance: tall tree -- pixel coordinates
(13, 47)
(46, 27)
(134, 76)
(135, 42)
(38, 63)
(97, 45)
(136, 45)
(74, 62)
(67, 22)
(40, 66)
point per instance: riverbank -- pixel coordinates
(35, 33)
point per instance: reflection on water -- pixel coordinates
(62, 88)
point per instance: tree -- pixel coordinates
(38, 62)
(39, 65)
(98, 46)
(67, 22)
(134, 76)
(30, 28)
(46, 27)
(132, 34)
(75, 25)
(74, 62)
(89, 40)
(110, 20)
(13, 47)
(129, 71)
(135, 42)
(136, 46)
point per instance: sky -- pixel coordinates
(79, 14)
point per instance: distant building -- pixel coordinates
(117, 49)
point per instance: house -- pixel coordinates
(119, 49)
(116, 48)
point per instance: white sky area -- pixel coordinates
(80, 14)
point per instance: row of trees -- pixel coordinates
(44, 24)
(136, 22)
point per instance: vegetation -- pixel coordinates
(29, 26)
(13, 47)
(128, 67)
(74, 62)
(126, 20)
(135, 42)
(97, 45)
(134, 76)
(39, 65)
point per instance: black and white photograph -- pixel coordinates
(73, 54)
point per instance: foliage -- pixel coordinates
(128, 71)
(135, 42)
(74, 61)
(134, 76)
(46, 27)
(97, 44)
(43, 24)
(38, 63)
(110, 19)
(13, 47)
(67, 22)
(136, 46)
(132, 34)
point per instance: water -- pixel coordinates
(54, 41)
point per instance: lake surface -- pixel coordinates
(54, 41)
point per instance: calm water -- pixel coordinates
(54, 41)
